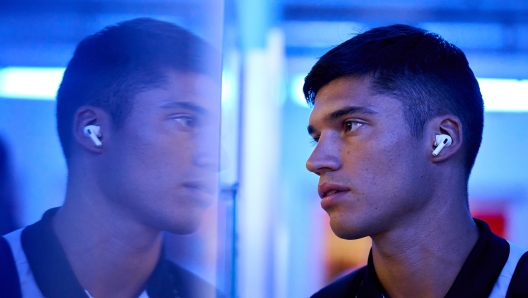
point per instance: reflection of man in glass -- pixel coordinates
(383, 103)
(149, 91)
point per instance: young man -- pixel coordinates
(398, 117)
(138, 115)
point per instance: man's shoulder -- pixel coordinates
(344, 286)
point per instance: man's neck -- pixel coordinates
(110, 254)
(424, 258)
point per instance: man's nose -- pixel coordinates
(325, 157)
(207, 153)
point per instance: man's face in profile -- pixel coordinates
(162, 164)
(373, 175)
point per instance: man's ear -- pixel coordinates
(444, 125)
(89, 115)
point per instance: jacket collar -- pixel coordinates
(55, 277)
(477, 276)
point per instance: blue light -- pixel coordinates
(30, 82)
(296, 92)
(42, 83)
(500, 95)
(229, 90)
(504, 95)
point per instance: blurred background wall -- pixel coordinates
(276, 233)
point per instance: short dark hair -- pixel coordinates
(109, 67)
(429, 75)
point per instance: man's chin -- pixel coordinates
(347, 231)
(183, 229)
(187, 225)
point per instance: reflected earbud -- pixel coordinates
(93, 132)
(441, 142)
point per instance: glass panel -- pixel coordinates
(135, 164)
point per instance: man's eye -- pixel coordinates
(185, 121)
(352, 125)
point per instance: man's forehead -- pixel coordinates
(192, 83)
(348, 87)
(181, 90)
(352, 91)
(338, 95)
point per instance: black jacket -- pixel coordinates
(55, 278)
(476, 279)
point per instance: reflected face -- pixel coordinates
(161, 165)
(372, 174)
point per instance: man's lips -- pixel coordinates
(200, 186)
(326, 189)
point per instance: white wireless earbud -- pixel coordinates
(93, 132)
(441, 142)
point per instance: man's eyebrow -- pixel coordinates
(312, 130)
(349, 110)
(342, 112)
(185, 105)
